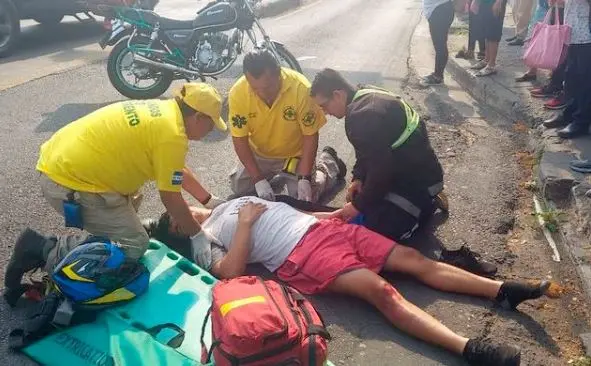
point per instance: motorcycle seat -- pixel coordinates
(170, 24)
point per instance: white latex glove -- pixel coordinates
(201, 248)
(304, 190)
(264, 190)
(214, 202)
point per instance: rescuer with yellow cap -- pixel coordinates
(92, 169)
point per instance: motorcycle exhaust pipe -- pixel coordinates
(147, 61)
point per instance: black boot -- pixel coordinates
(468, 260)
(512, 293)
(483, 353)
(27, 255)
(340, 163)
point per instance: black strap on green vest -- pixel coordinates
(412, 117)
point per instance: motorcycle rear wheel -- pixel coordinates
(114, 70)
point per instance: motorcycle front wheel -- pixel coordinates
(122, 64)
(286, 58)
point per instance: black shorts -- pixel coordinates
(492, 25)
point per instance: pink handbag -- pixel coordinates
(547, 45)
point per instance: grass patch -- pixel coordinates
(581, 361)
(552, 219)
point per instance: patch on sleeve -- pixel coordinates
(177, 178)
(309, 119)
(238, 121)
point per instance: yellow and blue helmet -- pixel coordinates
(97, 274)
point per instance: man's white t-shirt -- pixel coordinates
(273, 236)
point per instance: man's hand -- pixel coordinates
(354, 189)
(250, 212)
(347, 213)
(304, 190)
(201, 248)
(178, 209)
(213, 202)
(497, 8)
(264, 190)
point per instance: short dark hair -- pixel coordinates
(160, 230)
(329, 80)
(186, 111)
(258, 61)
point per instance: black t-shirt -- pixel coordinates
(373, 123)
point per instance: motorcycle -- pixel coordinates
(149, 47)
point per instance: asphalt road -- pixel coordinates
(367, 40)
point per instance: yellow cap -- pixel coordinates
(203, 98)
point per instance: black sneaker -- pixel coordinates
(513, 293)
(27, 255)
(468, 260)
(340, 163)
(482, 353)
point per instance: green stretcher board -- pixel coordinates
(177, 300)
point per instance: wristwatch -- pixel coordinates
(306, 177)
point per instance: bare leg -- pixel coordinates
(491, 51)
(440, 275)
(405, 316)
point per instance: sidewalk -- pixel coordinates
(561, 187)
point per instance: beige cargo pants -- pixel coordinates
(324, 176)
(111, 215)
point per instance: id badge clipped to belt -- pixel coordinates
(73, 212)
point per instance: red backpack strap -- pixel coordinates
(312, 330)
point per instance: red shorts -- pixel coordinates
(331, 248)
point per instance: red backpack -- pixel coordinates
(259, 322)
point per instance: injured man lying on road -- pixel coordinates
(314, 253)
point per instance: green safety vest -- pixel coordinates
(412, 117)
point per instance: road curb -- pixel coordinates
(494, 95)
(270, 8)
(557, 182)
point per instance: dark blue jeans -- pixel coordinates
(577, 84)
(439, 24)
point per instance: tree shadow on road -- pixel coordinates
(65, 114)
(39, 40)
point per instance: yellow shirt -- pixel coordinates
(118, 148)
(275, 132)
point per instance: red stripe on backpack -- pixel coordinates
(259, 322)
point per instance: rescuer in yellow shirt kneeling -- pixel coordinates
(274, 125)
(92, 170)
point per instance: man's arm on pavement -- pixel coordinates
(309, 151)
(233, 264)
(193, 187)
(177, 207)
(246, 156)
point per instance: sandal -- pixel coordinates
(465, 54)
(479, 65)
(480, 56)
(488, 70)
(431, 79)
